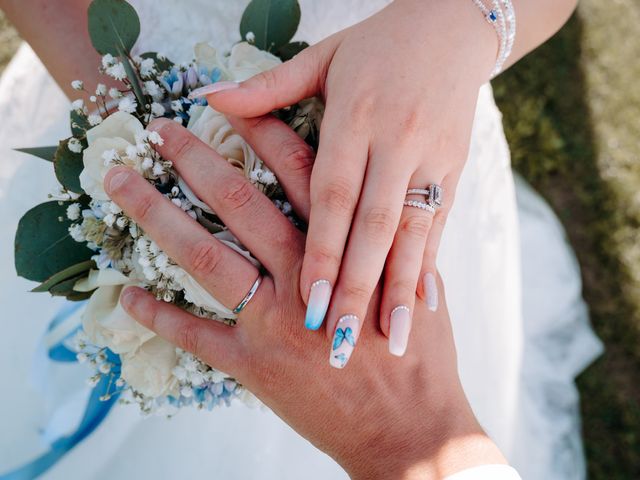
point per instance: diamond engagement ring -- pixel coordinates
(247, 298)
(432, 195)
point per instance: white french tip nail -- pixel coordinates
(399, 330)
(431, 291)
(213, 88)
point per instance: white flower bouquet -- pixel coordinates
(82, 246)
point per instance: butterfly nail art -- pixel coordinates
(344, 340)
(343, 335)
(342, 358)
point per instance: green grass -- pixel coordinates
(9, 41)
(572, 117)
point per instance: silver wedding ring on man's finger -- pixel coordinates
(432, 198)
(247, 298)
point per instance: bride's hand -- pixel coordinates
(400, 91)
(403, 419)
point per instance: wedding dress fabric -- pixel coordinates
(513, 288)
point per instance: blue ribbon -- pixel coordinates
(95, 411)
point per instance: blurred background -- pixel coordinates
(572, 118)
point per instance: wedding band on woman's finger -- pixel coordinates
(420, 205)
(247, 298)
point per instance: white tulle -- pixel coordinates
(513, 287)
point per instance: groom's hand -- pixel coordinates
(408, 416)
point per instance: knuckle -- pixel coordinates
(269, 79)
(143, 208)
(378, 223)
(358, 291)
(416, 225)
(189, 338)
(412, 122)
(181, 145)
(320, 254)
(237, 193)
(403, 288)
(363, 106)
(205, 257)
(297, 157)
(338, 198)
(153, 312)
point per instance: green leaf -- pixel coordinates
(43, 246)
(73, 271)
(162, 65)
(272, 22)
(79, 296)
(79, 123)
(114, 26)
(46, 153)
(290, 50)
(65, 287)
(133, 79)
(68, 166)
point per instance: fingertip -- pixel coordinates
(130, 297)
(158, 124)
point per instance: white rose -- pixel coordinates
(104, 320)
(213, 129)
(149, 369)
(116, 132)
(196, 294)
(243, 62)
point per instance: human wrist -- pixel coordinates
(463, 31)
(436, 445)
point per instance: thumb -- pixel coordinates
(299, 78)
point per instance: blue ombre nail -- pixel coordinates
(319, 298)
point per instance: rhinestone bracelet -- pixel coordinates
(501, 16)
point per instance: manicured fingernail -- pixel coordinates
(344, 340)
(213, 88)
(117, 179)
(399, 330)
(431, 291)
(319, 298)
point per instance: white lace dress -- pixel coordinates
(513, 286)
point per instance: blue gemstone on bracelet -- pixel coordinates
(493, 16)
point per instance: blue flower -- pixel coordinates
(206, 76)
(173, 81)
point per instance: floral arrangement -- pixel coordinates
(82, 246)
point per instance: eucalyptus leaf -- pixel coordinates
(79, 123)
(68, 166)
(163, 64)
(290, 50)
(73, 271)
(43, 245)
(273, 23)
(133, 79)
(46, 153)
(65, 287)
(79, 296)
(114, 26)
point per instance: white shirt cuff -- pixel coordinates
(487, 472)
